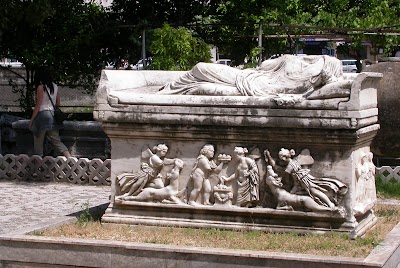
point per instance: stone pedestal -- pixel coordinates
(386, 144)
(223, 195)
(336, 132)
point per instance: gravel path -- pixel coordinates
(28, 204)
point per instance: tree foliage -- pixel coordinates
(66, 36)
(240, 21)
(74, 37)
(131, 17)
(233, 26)
(177, 49)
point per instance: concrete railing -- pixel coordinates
(82, 138)
(59, 169)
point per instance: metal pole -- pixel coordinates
(144, 48)
(260, 45)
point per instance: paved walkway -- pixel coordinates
(29, 204)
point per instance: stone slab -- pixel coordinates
(26, 250)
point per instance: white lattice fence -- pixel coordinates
(387, 173)
(60, 169)
(94, 172)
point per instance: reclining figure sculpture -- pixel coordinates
(313, 77)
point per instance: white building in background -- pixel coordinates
(10, 63)
(104, 3)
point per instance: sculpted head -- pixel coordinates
(370, 156)
(161, 150)
(285, 154)
(179, 163)
(364, 157)
(240, 151)
(208, 151)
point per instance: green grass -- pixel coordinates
(389, 189)
(330, 244)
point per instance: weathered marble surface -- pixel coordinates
(387, 141)
(232, 176)
(310, 76)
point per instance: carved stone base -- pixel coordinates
(234, 218)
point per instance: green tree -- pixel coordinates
(374, 16)
(177, 49)
(65, 36)
(239, 22)
(132, 17)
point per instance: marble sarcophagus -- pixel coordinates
(276, 148)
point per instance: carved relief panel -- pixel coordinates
(234, 180)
